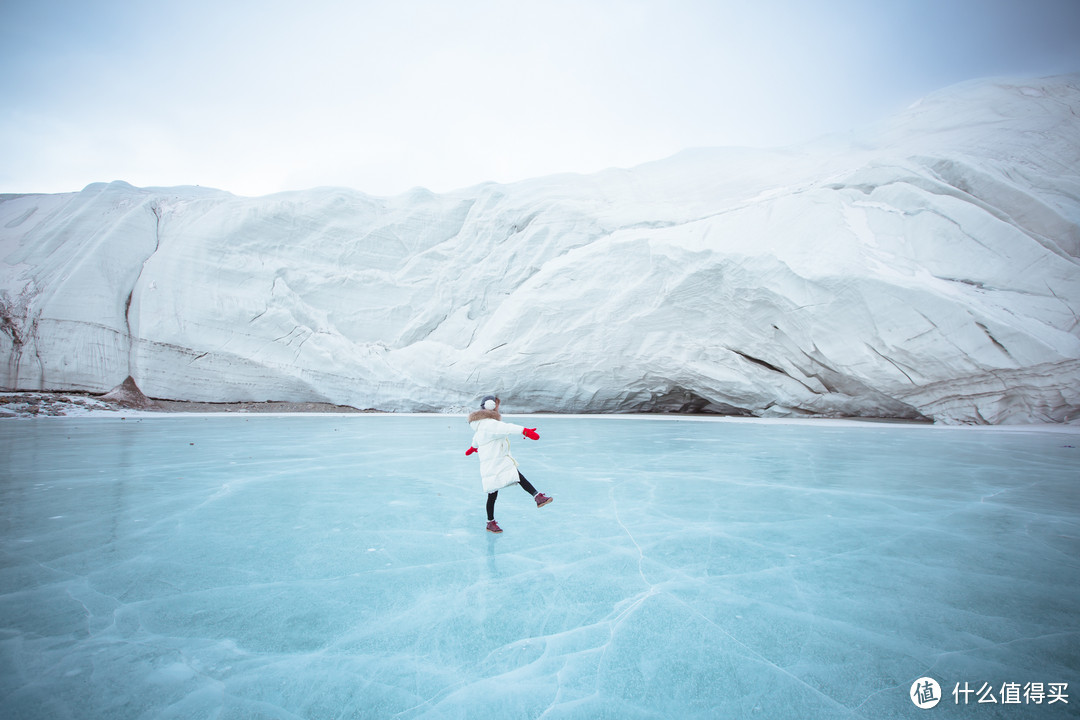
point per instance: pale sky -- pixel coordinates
(259, 96)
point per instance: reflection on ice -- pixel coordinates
(313, 567)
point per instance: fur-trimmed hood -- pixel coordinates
(484, 415)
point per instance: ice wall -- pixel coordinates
(927, 267)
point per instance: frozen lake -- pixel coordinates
(338, 567)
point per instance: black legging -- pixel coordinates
(525, 484)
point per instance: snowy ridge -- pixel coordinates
(925, 268)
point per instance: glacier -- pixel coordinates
(924, 268)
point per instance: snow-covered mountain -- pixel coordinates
(928, 267)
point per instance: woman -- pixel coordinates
(498, 468)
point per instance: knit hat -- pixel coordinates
(488, 403)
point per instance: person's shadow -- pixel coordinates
(493, 566)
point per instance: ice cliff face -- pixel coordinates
(926, 268)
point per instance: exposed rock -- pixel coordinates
(128, 394)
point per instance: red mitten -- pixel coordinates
(470, 451)
(530, 433)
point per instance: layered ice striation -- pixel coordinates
(338, 567)
(924, 268)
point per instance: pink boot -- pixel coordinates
(542, 500)
(493, 527)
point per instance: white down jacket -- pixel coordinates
(491, 438)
